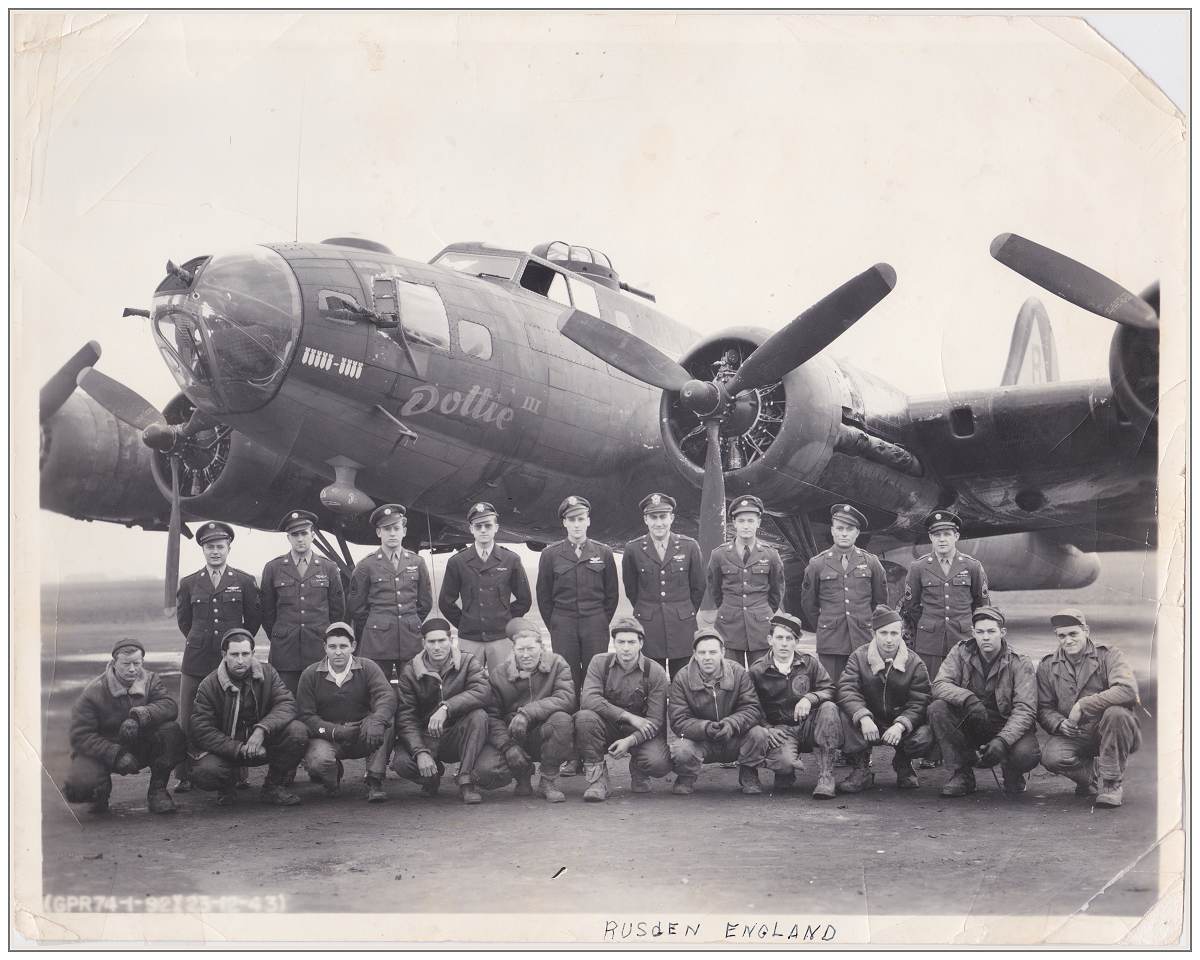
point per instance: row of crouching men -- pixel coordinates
(448, 707)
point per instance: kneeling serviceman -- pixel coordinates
(123, 721)
(716, 715)
(884, 687)
(985, 699)
(624, 713)
(440, 716)
(530, 716)
(1086, 695)
(348, 707)
(245, 716)
(797, 698)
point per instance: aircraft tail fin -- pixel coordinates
(1032, 354)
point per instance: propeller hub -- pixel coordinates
(701, 398)
(160, 436)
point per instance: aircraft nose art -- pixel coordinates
(227, 332)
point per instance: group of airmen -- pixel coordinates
(369, 674)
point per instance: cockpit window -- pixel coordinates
(423, 315)
(480, 264)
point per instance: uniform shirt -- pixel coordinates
(493, 591)
(665, 592)
(206, 613)
(577, 586)
(387, 603)
(296, 609)
(838, 603)
(937, 606)
(746, 594)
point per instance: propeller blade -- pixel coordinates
(171, 581)
(60, 386)
(814, 330)
(712, 495)
(123, 403)
(1074, 282)
(626, 352)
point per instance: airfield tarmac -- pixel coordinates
(878, 853)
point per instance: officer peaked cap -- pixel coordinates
(214, 530)
(296, 519)
(388, 513)
(941, 520)
(848, 514)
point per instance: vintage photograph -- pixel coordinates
(646, 478)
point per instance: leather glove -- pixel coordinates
(518, 726)
(140, 714)
(975, 709)
(128, 732)
(712, 730)
(126, 764)
(516, 759)
(345, 733)
(373, 738)
(993, 753)
(724, 731)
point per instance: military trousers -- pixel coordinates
(491, 654)
(912, 746)
(594, 735)
(187, 702)
(321, 757)
(1108, 742)
(578, 638)
(285, 749)
(159, 748)
(689, 756)
(960, 736)
(464, 741)
(821, 728)
(552, 741)
(834, 664)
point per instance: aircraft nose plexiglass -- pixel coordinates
(228, 336)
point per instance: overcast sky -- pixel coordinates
(738, 166)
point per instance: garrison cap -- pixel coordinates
(434, 623)
(480, 510)
(848, 514)
(296, 519)
(237, 633)
(746, 504)
(388, 513)
(988, 613)
(882, 616)
(657, 503)
(788, 621)
(626, 625)
(214, 530)
(339, 627)
(942, 519)
(706, 633)
(519, 625)
(1071, 616)
(127, 642)
(573, 506)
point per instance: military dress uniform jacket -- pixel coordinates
(1011, 678)
(296, 610)
(937, 608)
(898, 692)
(692, 704)
(779, 694)
(386, 605)
(206, 613)
(577, 586)
(486, 589)
(665, 593)
(463, 686)
(746, 595)
(838, 603)
(1103, 679)
(104, 705)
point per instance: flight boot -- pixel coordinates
(275, 793)
(597, 778)
(748, 781)
(375, 792)
(1109, 793)
(961, 782)
(100, 797)
(906, 776)
(548, 788)
(524, 784)
(570, 768)
(638, 781)
(784, 782)
(683, 786)
(157, 798)
(859, 778)
(1014, 783)
(825, 788)
(468, 792)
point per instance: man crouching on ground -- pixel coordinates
(123, 721)
(348, 707)
(531, 716)
(245, 716)
(716, 715)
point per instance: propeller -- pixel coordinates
(713, 402)
(1074, 282)
(60, 386)
(130, 407)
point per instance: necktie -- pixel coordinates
(216, 577)
(745, 555)
(945, 567)
(662, 550)
(395, 561)
(579, 551)
(845, 563)
(302, 565)
(484, 556)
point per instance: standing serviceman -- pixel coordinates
(941, 591)
(663, 574)
(301, 595)
(841, 588)
(746, 582)
(494, 589)
(209, 603)
(390, 596)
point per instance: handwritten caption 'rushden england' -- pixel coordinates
(776, 931)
